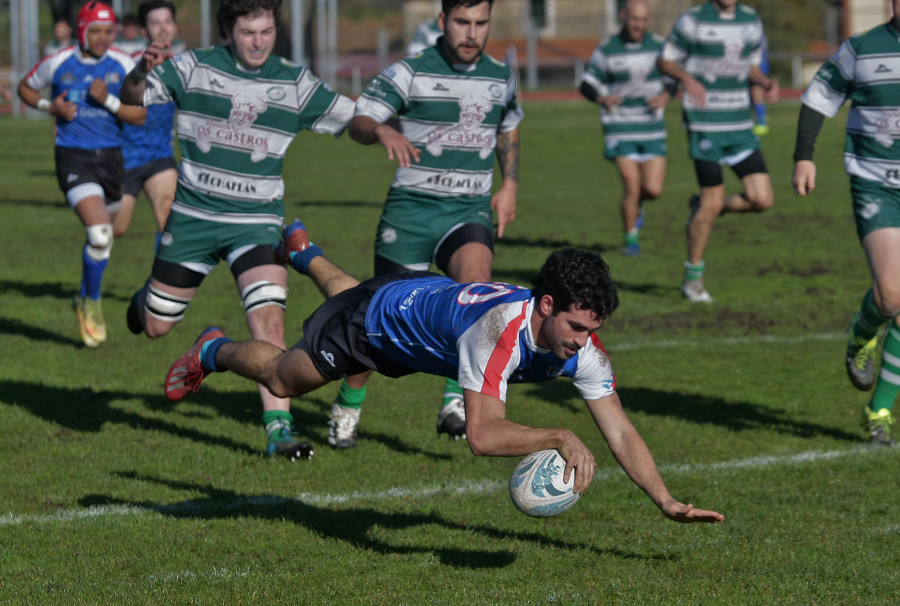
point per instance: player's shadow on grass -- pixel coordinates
(80, 409)
(61, 202)
(699, 409)
(57, 290)
(356, 526)
(85, 410)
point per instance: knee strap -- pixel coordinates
(263, 293)
(164, 306)
(100, 241)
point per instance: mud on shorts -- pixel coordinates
(639, 151)
(874, 206)
(410, 232)
(75, 167)
(137, 176)
(335, 335)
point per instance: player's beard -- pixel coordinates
(458, 58)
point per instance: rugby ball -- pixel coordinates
(536, 486)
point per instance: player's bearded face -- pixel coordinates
(253, 39)
(161, 25)
(566, 332)
(466, 30)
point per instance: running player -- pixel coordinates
(622, 78)
(864, 70)
(148, 153)
(84, 80)
(240, 107)
(714, 52)
(456, 108)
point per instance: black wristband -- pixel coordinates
(808, 126)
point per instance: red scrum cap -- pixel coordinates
(93, 13)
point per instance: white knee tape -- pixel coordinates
(263, 293)
(100, 240)
(164, 306)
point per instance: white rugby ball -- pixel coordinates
(536, 486)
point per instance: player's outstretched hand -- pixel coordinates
(687, 514)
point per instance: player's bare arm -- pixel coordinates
(631, 452)
(692, 87)
(770, 85)
(132, 114)
(59, 107)
(136, 81)
(490, 433)
(367, 131)
(504, 200)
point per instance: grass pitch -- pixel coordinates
(112, 494)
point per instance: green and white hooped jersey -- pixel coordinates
(628, 70)
(234, 128)
(718, 50)
(452, 113)
(866, 70)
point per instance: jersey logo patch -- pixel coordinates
(329, 357)
(731, 65)
(245, 109)
(473, 109)
(887, 125)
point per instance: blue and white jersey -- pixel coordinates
(152, 140)
(480, 333)
(71, 72)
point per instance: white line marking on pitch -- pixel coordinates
(459, 488)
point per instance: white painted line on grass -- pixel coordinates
(459, 488)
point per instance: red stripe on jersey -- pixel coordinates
(599, 345)
(499, 360)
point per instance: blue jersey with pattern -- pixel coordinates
(71, 72)
(480, 333)
(152, 140)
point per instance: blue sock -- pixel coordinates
(208, 353)
(91, 274)
(760, 110)
(301, 260)
(156, 245)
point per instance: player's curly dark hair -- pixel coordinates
(230, 10)
(577, 277)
